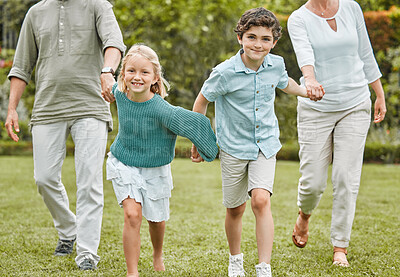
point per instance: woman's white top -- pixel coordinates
(343, 60)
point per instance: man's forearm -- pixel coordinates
(17, 87)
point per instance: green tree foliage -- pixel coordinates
(13, 12)
(191, 37)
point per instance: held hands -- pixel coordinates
(12, 123)
(107, 82)
(195, 156)
(315, 91)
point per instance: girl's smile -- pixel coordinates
(139, 76)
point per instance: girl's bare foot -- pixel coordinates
(158, 264)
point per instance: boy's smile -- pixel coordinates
(257, 42)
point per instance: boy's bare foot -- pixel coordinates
(132, 275)
(158, 264)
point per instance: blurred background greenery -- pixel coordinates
(192, 36)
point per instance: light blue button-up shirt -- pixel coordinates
(244, 105)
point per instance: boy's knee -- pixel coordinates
(261, 201)
(236, 212)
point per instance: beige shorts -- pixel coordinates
(240, 177)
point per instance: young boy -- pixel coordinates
(243, 89)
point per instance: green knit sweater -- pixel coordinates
(147, 131)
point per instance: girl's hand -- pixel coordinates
(315, 91)
(196, 158)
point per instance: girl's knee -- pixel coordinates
(133, 217)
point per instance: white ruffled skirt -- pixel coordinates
(149, 186)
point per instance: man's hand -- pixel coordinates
(107, 82)
(12, 124)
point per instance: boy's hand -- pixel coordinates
(195, 156)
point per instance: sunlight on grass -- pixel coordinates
(195, 243)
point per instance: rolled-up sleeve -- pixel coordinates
(301, 44)
(107, 26)
(26, 53)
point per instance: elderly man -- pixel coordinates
(75, 46)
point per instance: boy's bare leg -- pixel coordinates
(157, 230)
(233, 227)
(131, 235)
(261, 205)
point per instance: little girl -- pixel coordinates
(139, 162)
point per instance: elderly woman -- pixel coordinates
(334, 52)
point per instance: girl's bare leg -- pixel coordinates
(157, 230)
(131, 235)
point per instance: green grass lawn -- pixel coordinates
(195, 243)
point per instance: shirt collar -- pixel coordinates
(240, 67)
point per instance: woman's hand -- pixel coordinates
(380, 105)
(379, 109)
(315, 91)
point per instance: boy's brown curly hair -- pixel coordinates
(258, 17)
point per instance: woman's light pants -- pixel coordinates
(49, 149)
(337, 137)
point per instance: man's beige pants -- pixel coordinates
(49, 148)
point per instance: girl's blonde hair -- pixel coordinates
(161, 86)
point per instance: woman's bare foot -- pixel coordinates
(300, 231)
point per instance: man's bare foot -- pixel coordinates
(339, 257)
